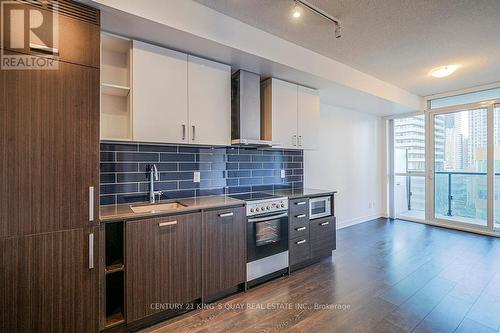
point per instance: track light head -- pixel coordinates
(338, 30)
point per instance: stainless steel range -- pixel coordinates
(267, 236)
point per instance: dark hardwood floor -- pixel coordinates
(385, 276)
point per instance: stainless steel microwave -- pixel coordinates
(320, 207)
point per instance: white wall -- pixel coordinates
(351, 159)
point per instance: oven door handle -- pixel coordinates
(267, 218)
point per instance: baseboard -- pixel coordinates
(348, 223)
(479, 231)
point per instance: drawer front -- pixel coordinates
(323, 237)
(299, 230)
(299, 206)
(298, 218)
(299, 250)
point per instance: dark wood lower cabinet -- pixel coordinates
(46, 283)
(311, 240)
(163, 263)
(323, 237)
(224, 250)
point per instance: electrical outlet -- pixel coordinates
(282, 173)
(196, 176)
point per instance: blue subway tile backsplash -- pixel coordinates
(124, 171)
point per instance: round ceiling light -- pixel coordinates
(444, 71)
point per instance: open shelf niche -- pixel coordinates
(114, 274)
(116, 116)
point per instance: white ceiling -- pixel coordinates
(398, 41)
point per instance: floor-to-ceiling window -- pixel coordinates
(446, 162)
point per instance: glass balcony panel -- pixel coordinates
(409, 197)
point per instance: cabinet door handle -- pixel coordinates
(226, 214)
(301, 228)
(300, 203)
(165, 224)
(294, 140)
(325, 223)
(300, 140)
(300, 242)
(91, 251)
(183, 132)
(91, 203)
(194, 131)
(300, 216)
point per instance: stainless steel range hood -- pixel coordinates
(245, 110)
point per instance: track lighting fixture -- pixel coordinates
(296, 13)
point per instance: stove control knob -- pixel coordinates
(282, 205)
(257, 209)
(268, 207)
(263, 208)
(252, 210)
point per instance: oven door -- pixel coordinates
(267, 234)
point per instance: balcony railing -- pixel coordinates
(470, 186)
(457, 193)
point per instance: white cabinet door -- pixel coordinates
(159, 94)
(209, 94)
(284, 105)
(309, 118)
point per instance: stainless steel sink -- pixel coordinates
(161, 207)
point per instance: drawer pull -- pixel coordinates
(300, 216)
(226, 214)
(301, 228)
(325, 223)
(300, 203)
(166, 224)
(300, 242)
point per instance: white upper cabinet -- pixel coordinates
(160, 97)
(209, 94)
(308, 118)
(279, 102)
(290, 114)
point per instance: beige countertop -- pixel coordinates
(124, 212)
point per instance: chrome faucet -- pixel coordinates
(153, 175)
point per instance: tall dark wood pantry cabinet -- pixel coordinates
(49, 180)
